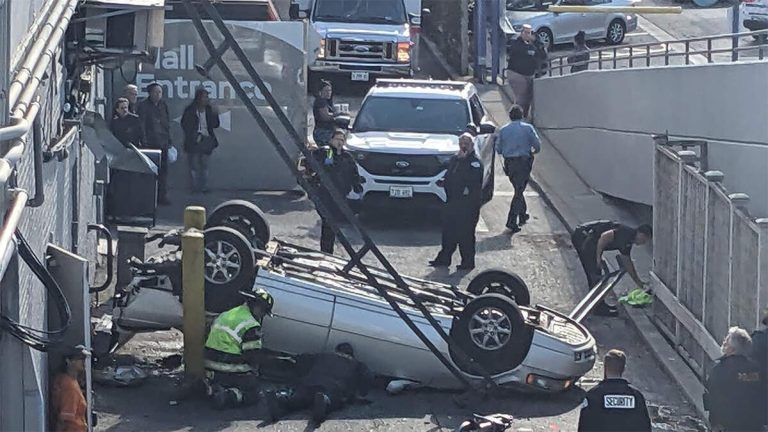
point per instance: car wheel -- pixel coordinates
(501, 282)
(616, 32)
(229, 268)
(491, 184)
(545, 37)
(491, 330)
(245, 217)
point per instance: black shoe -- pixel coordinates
(607, 310)
(320, 406)
(463, 266)
(513, 229)
(524, 218)
(438, 263)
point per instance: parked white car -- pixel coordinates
(558, 28)
(406, 132)
(318, 305)
(754, 15)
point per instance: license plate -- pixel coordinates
(401, 192)
(359, 76)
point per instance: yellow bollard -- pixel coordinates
(193, 282)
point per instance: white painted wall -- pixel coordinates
(602, 122)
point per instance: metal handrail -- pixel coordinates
(640, 54)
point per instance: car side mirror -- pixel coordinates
(487, 128)
(295, 13)
(415, 20)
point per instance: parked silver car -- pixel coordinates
(554, 28)
(318, 306)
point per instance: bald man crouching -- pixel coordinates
(463, 183)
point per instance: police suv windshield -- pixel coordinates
(416, 115)
(361, 11)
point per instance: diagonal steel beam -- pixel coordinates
(337, 201)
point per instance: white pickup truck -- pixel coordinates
(361, 39)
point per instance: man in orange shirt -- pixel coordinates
(68, 402)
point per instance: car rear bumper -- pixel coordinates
(373, 69)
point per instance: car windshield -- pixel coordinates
(361, 11)
(417, 115)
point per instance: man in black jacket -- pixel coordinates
(463, 185)
(328, 382)
(344, 175)
(734, 396)
(155, 119)
(524, 57)
(126, 126)
(614, 404)
(198, 122)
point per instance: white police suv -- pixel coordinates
(407, 130)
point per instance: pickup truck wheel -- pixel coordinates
(229, 268)
(501, 282)
(492, 331)
(245, 217)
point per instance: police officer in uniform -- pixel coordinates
(233, 351)
(734, 396)
(328, 382)
(593, 238)
(338, 163)
(463, 185)
(614, 404)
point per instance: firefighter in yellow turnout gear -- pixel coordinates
(233, 351)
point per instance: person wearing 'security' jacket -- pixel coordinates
(734, 396)
(342, 169)
(463, 185)
(614, 404)
(327, 382)
(233, 351)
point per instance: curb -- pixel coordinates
(670, 360)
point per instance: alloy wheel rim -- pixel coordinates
(616, 32)
(490, 328)
(223, 262)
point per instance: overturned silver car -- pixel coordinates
(317, 306)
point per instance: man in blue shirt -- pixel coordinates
(517, 142)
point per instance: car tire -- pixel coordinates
(546, 38)
(501, 282)
(488, 188)
(616, 32)
(229, 268)
(496, 349)
(245, 217)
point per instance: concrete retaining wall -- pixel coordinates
(602, 121)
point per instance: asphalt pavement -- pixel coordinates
(409, 237)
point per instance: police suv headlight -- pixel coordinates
(358, 155)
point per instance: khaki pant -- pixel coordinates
(522, 89)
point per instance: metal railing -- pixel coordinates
(701, 50)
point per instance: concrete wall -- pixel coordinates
(23, 371)
(605, 119)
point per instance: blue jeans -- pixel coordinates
(198, 171)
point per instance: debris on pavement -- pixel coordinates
(489, 423)
(121, 376)
(397, 386)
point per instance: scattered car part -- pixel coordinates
(489, 423)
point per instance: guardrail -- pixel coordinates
(681, 52)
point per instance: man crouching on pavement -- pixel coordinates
(463, 185)
(331, 381)
(233, 352)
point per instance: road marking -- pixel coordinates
(530, 194)
(663, 36)
(638, 34)
(481, 226)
